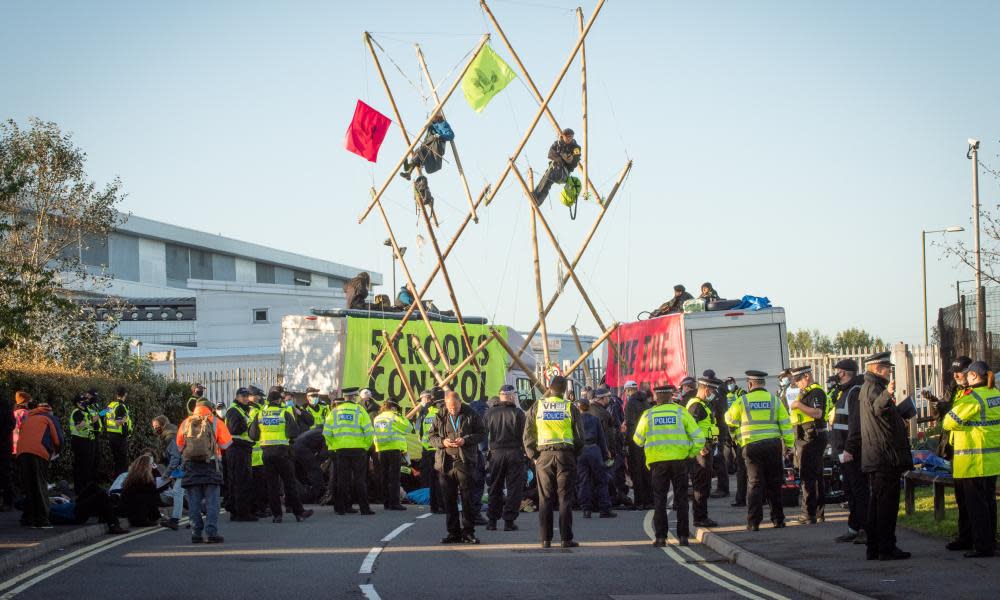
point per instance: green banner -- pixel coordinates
(487, 76)
(365, 340)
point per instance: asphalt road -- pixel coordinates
(389, 555)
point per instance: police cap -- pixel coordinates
(979, 368)
(801, 371)
(507, 389)
(709, 382)
(880, 358)
(960, 364)
(755, 374)
(602, 392)
(349, 391)
(437, 393)
(687, 381)
(663, 388)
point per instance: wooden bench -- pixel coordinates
(940, 482)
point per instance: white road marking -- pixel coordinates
(647, 525)
(369, 562)
(392, 534)
(425, 516)
(369, 591)
(89, 550)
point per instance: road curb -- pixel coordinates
(10, 561)
(774, 571)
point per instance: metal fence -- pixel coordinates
(956, 332)
(918, 367)
(221, 376)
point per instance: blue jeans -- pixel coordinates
(210, 494)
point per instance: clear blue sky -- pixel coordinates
(787, 149)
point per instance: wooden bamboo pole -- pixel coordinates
(419, 134)
(390, 344)
(531, 83)
(430, 279)
(594, 346)
(415, 344)
(585, 160)
(447, 282)
(392, 103)
(558, 248)
(418, 300)
(545, 103)
(517, 361)
(579, 255)
(472, 355)
(587, 375)
(454, 148)
(538, 288)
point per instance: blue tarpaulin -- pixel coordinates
(753, 303)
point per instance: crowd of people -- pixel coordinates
(592, 450)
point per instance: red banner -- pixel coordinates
(649, 351)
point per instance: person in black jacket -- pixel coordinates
(507, 463)
(885, 456)
(555, 462)
(309, 451)
(7, 424)
(845, 442)
(239, 459)
(810, 443)
(720, 457)
(940, 406)
(636, 403)
(564, 156)
(456, 433)
(140, 496)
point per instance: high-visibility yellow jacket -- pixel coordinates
(760, 416)
(974, 423)
(668, 432)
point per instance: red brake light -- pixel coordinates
(733, 314)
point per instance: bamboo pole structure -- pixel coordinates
(531, 83)
(454, 149)
(517, 361)
(585, 160)
(447, 282)
(415, 344)
(472, 355)
(587, 375)
(430, 279)
(390, 344)
(545, 103)
(594, 346)
(579, 254)
(417, 299)
(538, 288)
(419, 134)
(555, 244)
(392, 103)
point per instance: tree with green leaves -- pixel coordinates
(854, 337)
(805, 341)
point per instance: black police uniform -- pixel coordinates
(507, 463)
(810, 444)
(239, 458)
(846, 437)
(278, 469)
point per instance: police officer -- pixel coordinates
(348, 433)
(974, 423)
(763, 428)
(885, 456)
(274, 426)
(430, 403)
(721, 457)
(260, 501)
(553, 438)
(591, 472)
(735, 449)
(564, 156)
(670, 437)
(317, 410)
(808, 419)
(507, 463)
(635, 405)
(197, 394)
(118, 426)
(701, 464)
(390, 431)
(239, 459)
(845, 444)
(83, 441)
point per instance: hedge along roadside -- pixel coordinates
(149, 395)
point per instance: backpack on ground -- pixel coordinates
(199, 438)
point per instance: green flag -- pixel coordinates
(487, 75)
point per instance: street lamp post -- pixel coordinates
(395, 257)
(923, 257)
(973, 155)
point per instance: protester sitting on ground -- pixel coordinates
(675, 304)
(171, 457)
(39, 440)
(140, 494)
(94, 501)
(708, 293)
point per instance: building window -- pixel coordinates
(178, 265)
(201, 264)
(302, 278)
(94, 251)
(223, 267)
(265, 273)
(125, 257)
(260, 315)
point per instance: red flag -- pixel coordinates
(366, 132)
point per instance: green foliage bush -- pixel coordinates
(149, 395)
